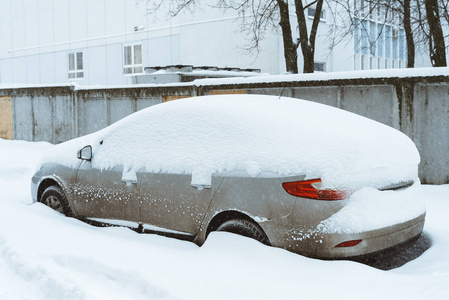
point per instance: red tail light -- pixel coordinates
(349, 243)
(306, 189)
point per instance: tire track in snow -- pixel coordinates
(36, 277)
(62, 277)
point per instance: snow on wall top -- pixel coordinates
(363, 74)
(254, 134)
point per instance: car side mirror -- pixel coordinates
(85, 153)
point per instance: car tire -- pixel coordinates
(54, 197)
(245, 228)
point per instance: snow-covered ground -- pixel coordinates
(44, 255)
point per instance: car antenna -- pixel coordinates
(282, 92)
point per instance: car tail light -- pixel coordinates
(349, 243)
(311, 189)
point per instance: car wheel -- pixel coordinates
(245, 228)
(54, 197)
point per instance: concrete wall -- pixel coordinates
(431, 130)
(417, 106)
(43, 114)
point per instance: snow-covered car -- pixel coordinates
(295, 174)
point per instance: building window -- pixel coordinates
(362, 8)
(364, 37)
(395, 47)
(401, 44)
(356, 35)
(387, 41)
(132, 59)
(76, 65)
(311, 13)
(380, 40)
(372, 37)
(379, 13)
(319, 67)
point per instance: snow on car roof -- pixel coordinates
(253, 134)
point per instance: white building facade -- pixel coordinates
(378, 45)
(108, 41)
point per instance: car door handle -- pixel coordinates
(129, 180)
(201, 187)
(129, 177)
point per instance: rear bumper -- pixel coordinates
(372, 241)
(319, 245)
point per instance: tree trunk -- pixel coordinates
(307, 50)
(308, 45)
(309, 59)
(438, 50)
(290, 48)
(409, 35)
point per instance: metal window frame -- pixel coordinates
(75, 71)
(132, 65)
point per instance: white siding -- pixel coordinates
(47, 68)
(32, 65)
(114, 67)
(38, 35)
(61, 23)
(46, 22)
(96, 71)
(163, 50)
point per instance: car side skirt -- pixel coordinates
(140, 227)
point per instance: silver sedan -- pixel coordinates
(243, 164)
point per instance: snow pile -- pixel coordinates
(47, 256)
(13, 169)
(369, 209)
(255, 134)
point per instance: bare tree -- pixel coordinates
(308, 42)
(420, 20)
(409, 34)
(258, 16)
(260, 13)
(436, 37)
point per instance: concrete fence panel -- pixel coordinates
(377, 102)
(6, 118)
(42, 110)
(147, 102)
(93, 114)
(120, 108)
(325, 95)
(431, 131)
(63, 118)
(416, 105)
(23, 118)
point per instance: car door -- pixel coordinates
(169, 201)
(106, 194)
